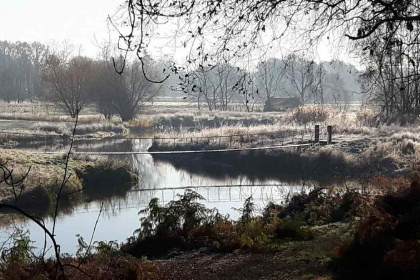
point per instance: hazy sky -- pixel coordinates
(79, 21)
(46, 20)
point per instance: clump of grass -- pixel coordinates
(57, 128)
(63, 128)
(235, 136)
(106, 179)
(209, 119)
(367, 118)
(401, 149)
(309, 115)
(100, 127)
(141, 123)
(40, 200)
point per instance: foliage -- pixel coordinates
(180, 216)
(386, 244)
(20, 251)
(186, 224)
(247, 210)
(321, 207)
(97, 249)
(293, 229)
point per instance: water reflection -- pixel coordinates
(161, 179)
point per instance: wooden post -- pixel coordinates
(329, 133)
(317, 133)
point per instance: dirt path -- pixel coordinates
(291, 260)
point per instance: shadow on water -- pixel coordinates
(224, 179)
(103, 183)
(287, 166)
(158, 172)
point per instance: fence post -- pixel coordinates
(329, 133)
(317, 133)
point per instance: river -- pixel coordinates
(120, 218)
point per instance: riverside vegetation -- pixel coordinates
(92, 177)
(325, 233)
(315, 234)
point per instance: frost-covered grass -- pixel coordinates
(82, 129)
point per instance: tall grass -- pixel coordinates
(82, 129)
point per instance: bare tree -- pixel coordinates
(240, 27)
(269, 79)
(392, 79)
(212, 85)
(337, 93)
(301, 73)
(135, 92)
(71, 81)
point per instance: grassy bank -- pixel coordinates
(91, 178)
(92, 129)
(234, 137)
(276, 128)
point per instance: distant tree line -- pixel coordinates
(214, 87)
(36, 71)
(21, 69)
(39, 72)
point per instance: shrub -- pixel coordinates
(386, 244)
(321, 207)
(20, 250)
(293, 230)
(309, 114)
(367, 118)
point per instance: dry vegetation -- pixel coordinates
(89, 175)
(328, 227)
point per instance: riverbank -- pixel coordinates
(323, 234)
(88, 178)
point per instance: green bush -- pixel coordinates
(20, 251)
(293, 230)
